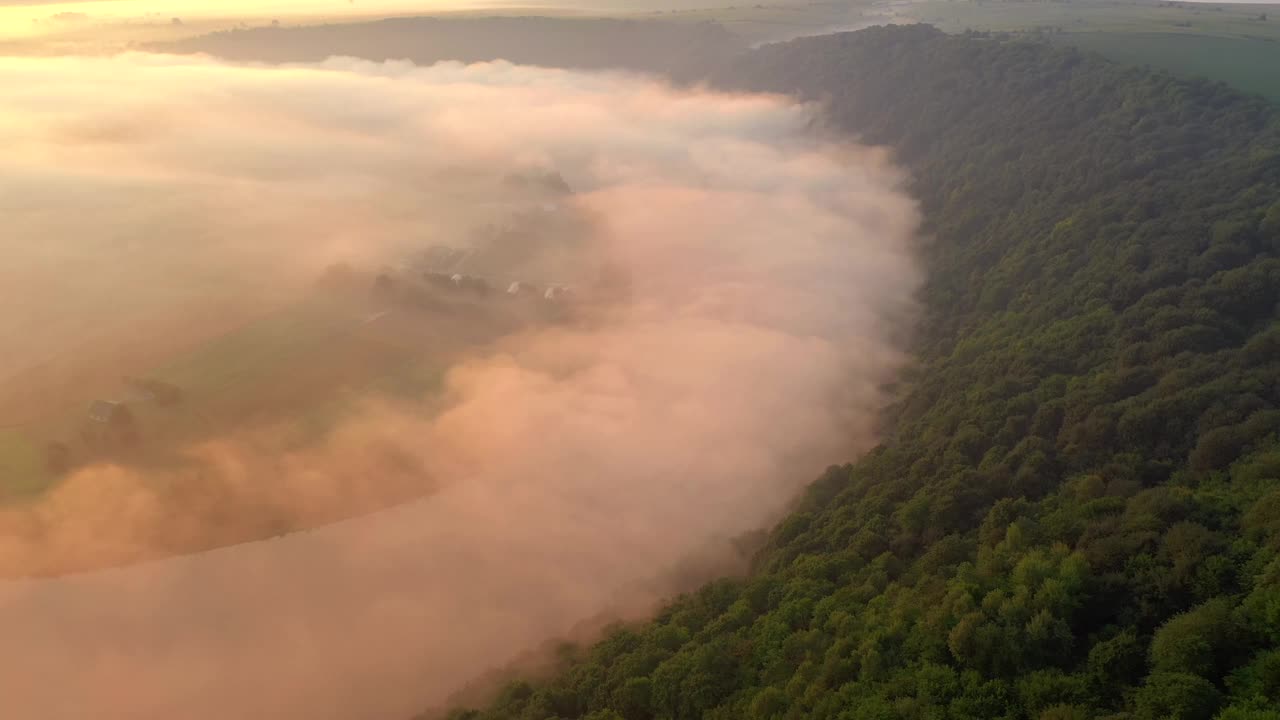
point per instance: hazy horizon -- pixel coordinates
(372, 369)
(26, 18)
(568, 469)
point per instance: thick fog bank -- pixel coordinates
(772, 284)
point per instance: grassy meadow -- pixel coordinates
(1238, 44)
(304, 366)
(1252, 65)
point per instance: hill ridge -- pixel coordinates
(1075, 513)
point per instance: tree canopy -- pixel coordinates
(1075, 512)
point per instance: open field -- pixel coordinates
(779, 21)
(1234, 43)
(302, 366)
(81, 354)
(21, 464)
(1249, 64)
(1220, 20)
(757, 22)
(287, 422)
(1238, 44)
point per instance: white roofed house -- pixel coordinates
(110, 424)
(558, 293)
(521, 288)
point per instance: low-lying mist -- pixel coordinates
(574, 467)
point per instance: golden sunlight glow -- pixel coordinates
(43, 18)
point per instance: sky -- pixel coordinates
(33, 17)
(27, 18)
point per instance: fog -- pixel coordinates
(577, 470)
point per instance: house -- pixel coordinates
(517, 289)
(110, 413)
(110, 425)
(558, 293)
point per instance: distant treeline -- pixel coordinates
(675, 49)
(1076, 512)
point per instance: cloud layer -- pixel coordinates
(574, 466)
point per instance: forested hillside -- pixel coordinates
(674, 49)
(1076, 512)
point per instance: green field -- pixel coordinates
(305, 366)
(1248, 64)
(21, 465)
(1219, 20)
(780, 21)
(1231, 43)
(309, 363)
(1237, 44)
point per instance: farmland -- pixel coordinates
(1249, 64)
(46, 390)
(1134, 16)
(781, 21)
(1236, 44)
(244, 450)
(1232, 43)
(303, 365)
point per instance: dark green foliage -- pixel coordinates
(1201, 641)
(1075, 511)
(1177, 696)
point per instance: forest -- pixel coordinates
(673, 49)
(1075, 510)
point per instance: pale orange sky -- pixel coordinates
(33, 18)
(36, 18)
(23, 17)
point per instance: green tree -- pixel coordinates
(1177, 696)
(1199, 642)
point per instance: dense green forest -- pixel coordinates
(1076, 509)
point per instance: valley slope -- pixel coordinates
(1076, 509)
